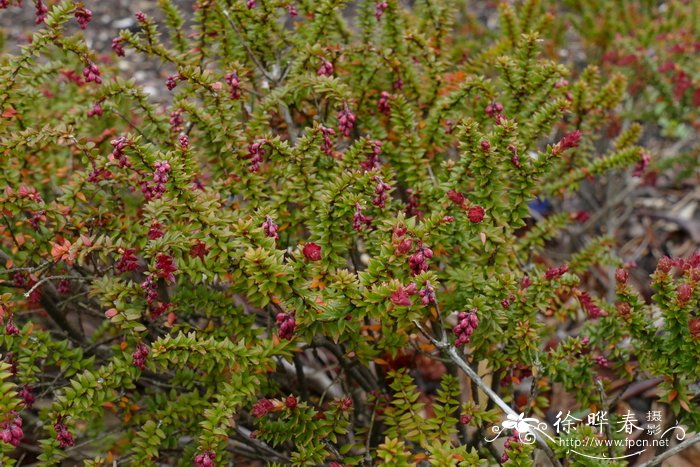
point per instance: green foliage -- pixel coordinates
(248, 271)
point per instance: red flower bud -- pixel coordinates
(475, 214)
(312, 252)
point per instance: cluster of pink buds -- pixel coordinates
(63, 435)
(621, 276)
(171, 82)
(312, 251)
(382, 192)
(513, 438)
(118, 46)
(83, 16)
(359, 220)
(160, 178)
(467, 323)
(593, 310)
(141, 17)
(184, 141)
(601, 361)
(40, 10)
(250, 4)
(234, 84)
(151, 289)
(642, 165)
(270, 228)
(128, 261)
(287, 324)
(255, 152)
(326, 68)
(37, 218)
(292, 10)
(346, 121)
(405, 244)
(327, 144)
(166, 266)
(119, 144)
(683, 293)
(205, 459)
(12, 430)
(154, 231)
(291, 402)
(372, 161)
(11, 328)
(176, 120)
(138, 358)
(383, 104)
(92, 74)
(427, 294)
(98, 174)
(556, 272)
(568, 141)
(402, 295)
(380, 8)
(27, 192)
(262, 407)
(418, 261)
(413, 204)
(96, 110)
(27, 396)
(456, 197)
(493, 109)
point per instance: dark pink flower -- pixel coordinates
(138, 358)
(287, 324)
(205, 459)
(326, 68)
(554, 272)
(92, 74)
(456, 197)
(118, 46)
(234, 84)
(382, 192)
(83, 16)
(154, 231)
(594, 311)
(171, 82)
(359, 220)
(383, 103)
(11, 430)
(346, 121)
(95, 111)
(312, 251)
(262, 408)
(199, 250)
(475, 214)
(40, 10)
(63, 436)
(27, 396)
(379, 9)
(427, 294)
(270, 228)
(166, 266)
(466, 324)
(128, 261)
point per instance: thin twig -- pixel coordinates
(673, 451)
(46, 279)
(450, 350)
